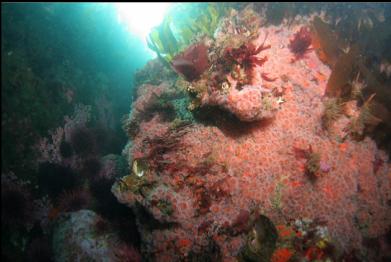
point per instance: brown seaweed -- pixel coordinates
(383, 92)
(326, 43)
(380, 106)
(338, 84)
(366, 121)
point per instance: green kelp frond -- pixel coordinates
(174, 34)
(205, 23)
(162, 40)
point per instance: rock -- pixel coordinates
(75, 239)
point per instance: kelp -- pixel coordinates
(167, 42)
(326, 43)
(338, 84)
(163, 42)
(207, 22)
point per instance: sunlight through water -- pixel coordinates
(140, 18)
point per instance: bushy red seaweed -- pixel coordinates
(245, 56)
(300, 43)
(192, 62)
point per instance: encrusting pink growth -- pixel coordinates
(249, 105)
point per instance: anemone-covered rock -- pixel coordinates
(192, 184)
(251, 103)
(150, 99)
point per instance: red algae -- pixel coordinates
(300, 43)
(192, 62)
